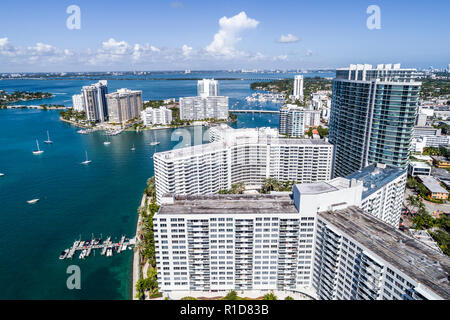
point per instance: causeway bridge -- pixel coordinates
(254, 111)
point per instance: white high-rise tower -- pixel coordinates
(208, 88)
(298, 87)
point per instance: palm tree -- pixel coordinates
(412, 201)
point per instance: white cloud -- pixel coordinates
(115, 47)
(309, 53)
(281, 58)
(6, 48)
(289, 38)
(228, 35)
(186, 50)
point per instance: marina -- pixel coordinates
(107, 247)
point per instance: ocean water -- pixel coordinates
(75, 200)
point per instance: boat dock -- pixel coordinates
(107, 247)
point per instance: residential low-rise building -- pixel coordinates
(78, 103)
(152, 116)
(416, 168)
(441, 162)
(436, 191)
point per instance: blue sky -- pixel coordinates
(196, 34)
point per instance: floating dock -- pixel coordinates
(107, 247)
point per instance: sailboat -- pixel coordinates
(87, 160)
(154, 142)
(107, 142)
(38, 151)
(48, 141)
(132, 149)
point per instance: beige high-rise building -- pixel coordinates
(124, 105)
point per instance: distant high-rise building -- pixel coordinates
(161, 115)
(199, 108)
(207, 88)
(124, 105)
(295, 120)
(298, 87)
(372, 116)
(78, 102)
(95, 101)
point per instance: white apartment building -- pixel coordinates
(124, 105)
(78, 103)
(295, 120)
(152, 116)
(358, 257)
(242, 155)
(95, 101)
(201, 107)
(319, 242)
(298, 87)
(383, 191)
(207, 88)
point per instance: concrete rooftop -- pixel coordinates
(410, 256)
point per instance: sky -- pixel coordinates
(48, 36)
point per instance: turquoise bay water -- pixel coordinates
(76, 200)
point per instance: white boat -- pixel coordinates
(107, 142)
(38, 151)
(154, 142)
(82, 254)
(33, 201)
(64, 254)
(1, 174)
(87, 161)
(132, 149)
(48, 141)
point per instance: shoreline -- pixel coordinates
(136, 255)
(75, 124)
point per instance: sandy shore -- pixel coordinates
(136, 255)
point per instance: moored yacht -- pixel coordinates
(38, 151)
(48, 141)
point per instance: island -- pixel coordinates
(17, 96)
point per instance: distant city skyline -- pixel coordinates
(201, 35)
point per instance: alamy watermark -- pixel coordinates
(73, 22)
(374, 20)
(74, 280)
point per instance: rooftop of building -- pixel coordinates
(440, 158)
(418, 164)
(410, 256)
(230, 204)
(375, 177)
(396, 67)
(323, 186)
(191, 151)
(432, 184)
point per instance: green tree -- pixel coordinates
(270, 296)
(288, 298)
(232, 295)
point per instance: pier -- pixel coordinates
(107, 247)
